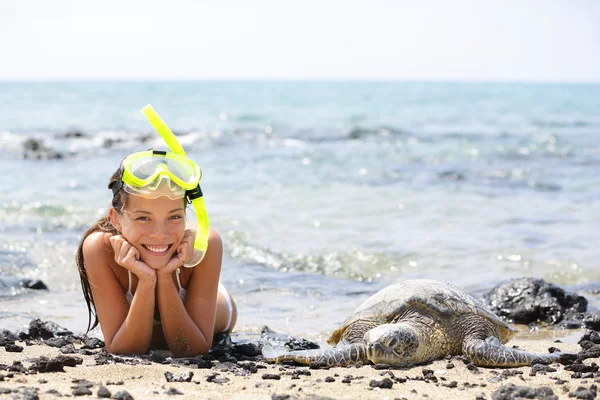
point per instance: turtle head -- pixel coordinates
(393, 344)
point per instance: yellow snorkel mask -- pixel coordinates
(159, 173)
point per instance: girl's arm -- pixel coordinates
(126, 329)
(189, 326)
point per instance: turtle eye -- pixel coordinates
(393, 342)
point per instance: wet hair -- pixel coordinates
(119, 201)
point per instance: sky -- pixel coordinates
(485, 40)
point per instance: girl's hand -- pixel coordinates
(184, 253)
(128, 257)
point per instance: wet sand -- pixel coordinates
(142, 378)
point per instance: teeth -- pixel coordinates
(157, 249)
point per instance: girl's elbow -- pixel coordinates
(110, 348)
(185, 354)
(191, 352)
(208, 345)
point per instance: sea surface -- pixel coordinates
(323, 192)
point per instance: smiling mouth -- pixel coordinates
(157, 250)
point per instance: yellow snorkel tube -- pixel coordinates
(195, 195)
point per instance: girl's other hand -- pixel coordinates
(184, 253)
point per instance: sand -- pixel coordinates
(443, 379)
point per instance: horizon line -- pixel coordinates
(291, 79)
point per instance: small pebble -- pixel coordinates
(271, 377)
(103, 392)
(13, 348)
(172, 392)
(385, 383)
(82, 391)
(122, 395)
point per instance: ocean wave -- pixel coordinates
(43, 218)
(567, 123)
(353, 264)
(11, 142)
(519, 178)
(12, 286)
(14, 259)
(70, 142)
(34, 209)
(384, 131)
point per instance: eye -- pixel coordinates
(142, 219)
(393, 342)
(176, 217)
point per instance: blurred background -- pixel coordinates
(344, 145)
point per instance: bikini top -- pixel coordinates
(129, 295)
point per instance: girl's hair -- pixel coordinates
(103, 225)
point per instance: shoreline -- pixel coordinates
(222, 376)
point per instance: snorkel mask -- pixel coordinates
(154, 174)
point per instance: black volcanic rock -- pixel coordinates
(36, 149)
(34, 284)
(70, 134)
(511, 391)
(272, 338)
(535, 301)
(39, 329)
(7, 337)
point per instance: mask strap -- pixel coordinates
(118, 184)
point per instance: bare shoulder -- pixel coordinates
(214, 239)
(97, 249)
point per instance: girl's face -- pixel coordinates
(155, 227)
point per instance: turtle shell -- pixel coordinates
(440, 298)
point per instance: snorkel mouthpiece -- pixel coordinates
(194, 195)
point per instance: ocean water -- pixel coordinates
(323, 192)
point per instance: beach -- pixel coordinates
(97, 374)
(323, 193)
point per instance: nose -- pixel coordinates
(159, 231)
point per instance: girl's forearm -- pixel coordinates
(184, 337)
(135, 334)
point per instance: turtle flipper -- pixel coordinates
(338, 356)
(490, 353)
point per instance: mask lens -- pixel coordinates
(182, 168)
(144, 168)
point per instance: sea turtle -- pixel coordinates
(420, 321)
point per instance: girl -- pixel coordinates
(130, 264)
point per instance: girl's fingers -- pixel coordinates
(125, 254)
(114, 242)
(186, 248)
(130, 257)
(125, 247)
(117, 244)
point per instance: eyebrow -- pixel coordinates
(148, 212)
